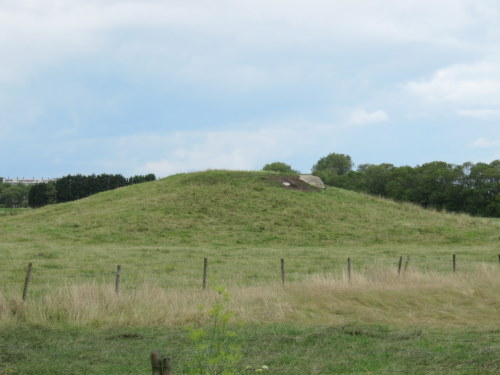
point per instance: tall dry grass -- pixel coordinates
(378, 295)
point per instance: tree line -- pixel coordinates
(73, 187)
(472, 188)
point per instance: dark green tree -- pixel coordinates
(37, 196)
(72, 187)
(42, 194)
(64, 191)
(377, 177)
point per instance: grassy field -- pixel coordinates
(356, 348)
(427, 320)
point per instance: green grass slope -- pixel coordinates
(227, 208)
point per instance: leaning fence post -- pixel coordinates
(349, 267)
(205, 271)
(117, 280)
(400, 265)
(27, 281)
(454, 263)
(283, 271)
(161, 366)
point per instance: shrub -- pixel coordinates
(278, 166)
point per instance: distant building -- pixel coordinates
(23, 181)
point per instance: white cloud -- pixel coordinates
(210, 150)
(241, 149)
(361, 116)
(232, 146)
(185, 151)
(485, 143)
(470, 84)
(482, 114)
(195, 37)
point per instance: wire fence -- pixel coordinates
(226, 270)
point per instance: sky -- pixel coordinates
(173, 86)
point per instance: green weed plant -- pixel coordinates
(214, 351)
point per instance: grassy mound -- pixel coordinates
(226, 208)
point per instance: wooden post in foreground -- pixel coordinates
(400, 265)
(27, 281)
(205, 271)
(454, 263)
(349, 267)
(161, 366)
(283, 271)
(498, 258)
(117, 280)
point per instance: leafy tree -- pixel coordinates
(337, 163)
(483, 189)
(436, 185)
(377, 178)
(329, 167)
(401, 184)
(278, 166)
(14, 196)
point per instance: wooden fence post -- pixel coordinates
(155, 363)
(406, 263)
(349, 267)
(498, 258)
(167, 365)
(117, 280)
(27, 281)
(400, 265)
(205, 271)
(283, 271)
(454, 263)
(161, 366)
